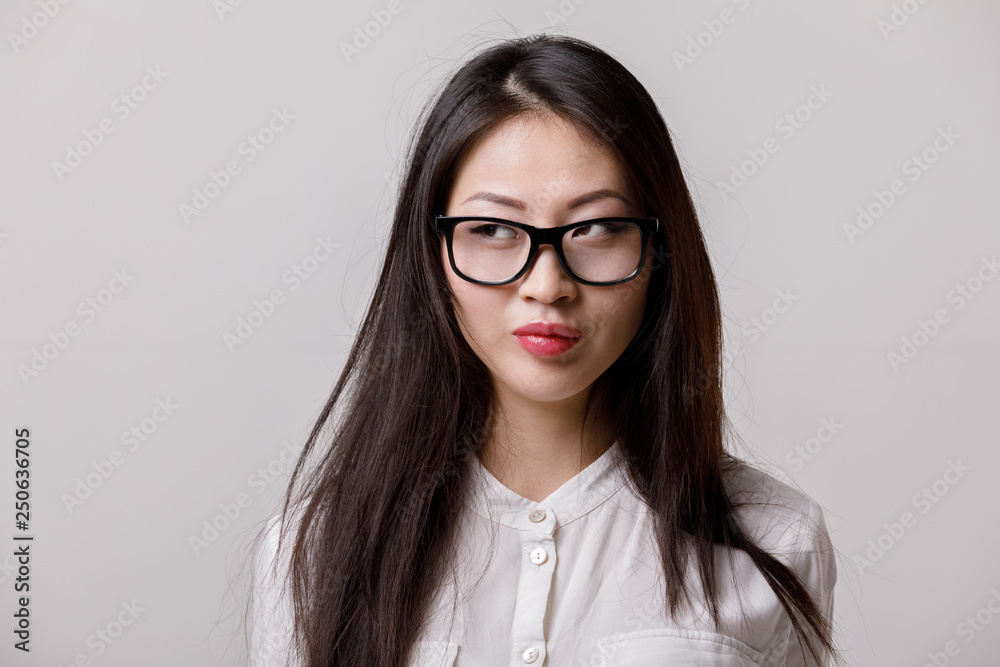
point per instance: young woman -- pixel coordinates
(523, 460)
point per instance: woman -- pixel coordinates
(527, 464)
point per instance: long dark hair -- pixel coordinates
(376, 509)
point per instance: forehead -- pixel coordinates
(543, 161)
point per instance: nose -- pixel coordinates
(545, 280)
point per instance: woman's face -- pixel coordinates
(543, 173)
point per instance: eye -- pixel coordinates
(597, 229)
(494, 231)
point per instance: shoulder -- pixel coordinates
(789, 524)
(274, 532)
(272, 605)
(785, 521)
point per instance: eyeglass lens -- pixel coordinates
(599, 252)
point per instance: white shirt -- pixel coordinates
(575, 580)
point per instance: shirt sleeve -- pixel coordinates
(270, 641)
(816, 566)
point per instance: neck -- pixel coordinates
(534, 448)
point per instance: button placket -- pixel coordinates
(536, 530)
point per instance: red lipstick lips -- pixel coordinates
(547, 339)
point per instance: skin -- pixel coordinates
(535, 444)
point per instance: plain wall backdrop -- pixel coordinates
(166, 168)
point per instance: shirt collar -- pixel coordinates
(576, 497)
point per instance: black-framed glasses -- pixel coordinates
(494, 251)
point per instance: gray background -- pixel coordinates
(331, 173)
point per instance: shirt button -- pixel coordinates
(530, 655)
(536, 516)
(538, 556)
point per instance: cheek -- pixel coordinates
(635, 302)
(445, 264)
(476, 312)
(455, 284)
(638, 293)
(471, 307)
(622, 307)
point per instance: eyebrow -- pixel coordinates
(511, 202)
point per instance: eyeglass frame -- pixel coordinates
(539, 236)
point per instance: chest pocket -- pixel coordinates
(677, 648)
(433, 654)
